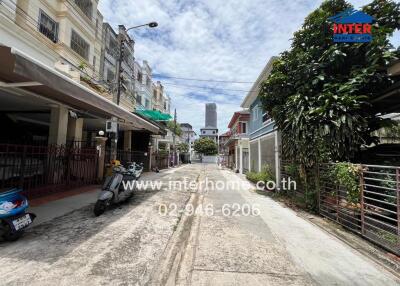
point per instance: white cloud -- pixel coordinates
(209, 39)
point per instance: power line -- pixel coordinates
(207, 87)
(197, 79)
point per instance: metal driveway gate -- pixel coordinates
(376, 216)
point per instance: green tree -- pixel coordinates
(183, 147)
(320, 93)
(174, 127)
(205, 146)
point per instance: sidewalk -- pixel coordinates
(55, 205)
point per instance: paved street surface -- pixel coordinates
(134, 245)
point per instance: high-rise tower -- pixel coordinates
(210, 130)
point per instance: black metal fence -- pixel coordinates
(160, 160)
(128, 156)
(46, 169)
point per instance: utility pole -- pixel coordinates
(173, 139)
(121, 42)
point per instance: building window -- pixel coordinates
(97, 27)
(266, 118)
(203, 132)
(213, 132)
(94, 63)
(110, 75)
(243, 127)
(86, 7)
(255, 112)
(147, 105)
(139, 77)
(148, 81)
(139, 99)
(79, 45)
(48, 26)
(112, 47)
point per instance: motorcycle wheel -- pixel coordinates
(99, 208)
(12, 236)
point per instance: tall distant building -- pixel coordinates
(211, 115)
(210, 130)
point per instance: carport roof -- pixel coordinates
(17, 67)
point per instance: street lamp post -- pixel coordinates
(121, 40)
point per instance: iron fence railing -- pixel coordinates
(43, 169)
(160, 160)
(371, 209)
(129, 156)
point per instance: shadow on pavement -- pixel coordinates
(50, 241)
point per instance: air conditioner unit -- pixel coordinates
(111, 126)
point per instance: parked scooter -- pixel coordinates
(113, 190)
(13, 218)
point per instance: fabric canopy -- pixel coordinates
(155, 115)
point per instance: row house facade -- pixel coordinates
(144, 85)
(109, 65)
(161, 100)
(264, 147)
(52, 92)
(237, 142)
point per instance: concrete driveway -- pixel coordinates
(271, 247)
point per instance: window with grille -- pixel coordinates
(48, 26)
(79, 45)
(86, 7)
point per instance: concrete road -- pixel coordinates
(271, 247)
(121, 247)
(229, 236)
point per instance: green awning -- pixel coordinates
(155, 115)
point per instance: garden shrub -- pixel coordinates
(264, 176)
(347, 175)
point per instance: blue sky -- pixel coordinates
(210, 39)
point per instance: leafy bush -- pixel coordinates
(347, 175)
(183, 147)
(264, 176)
(163, 152)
